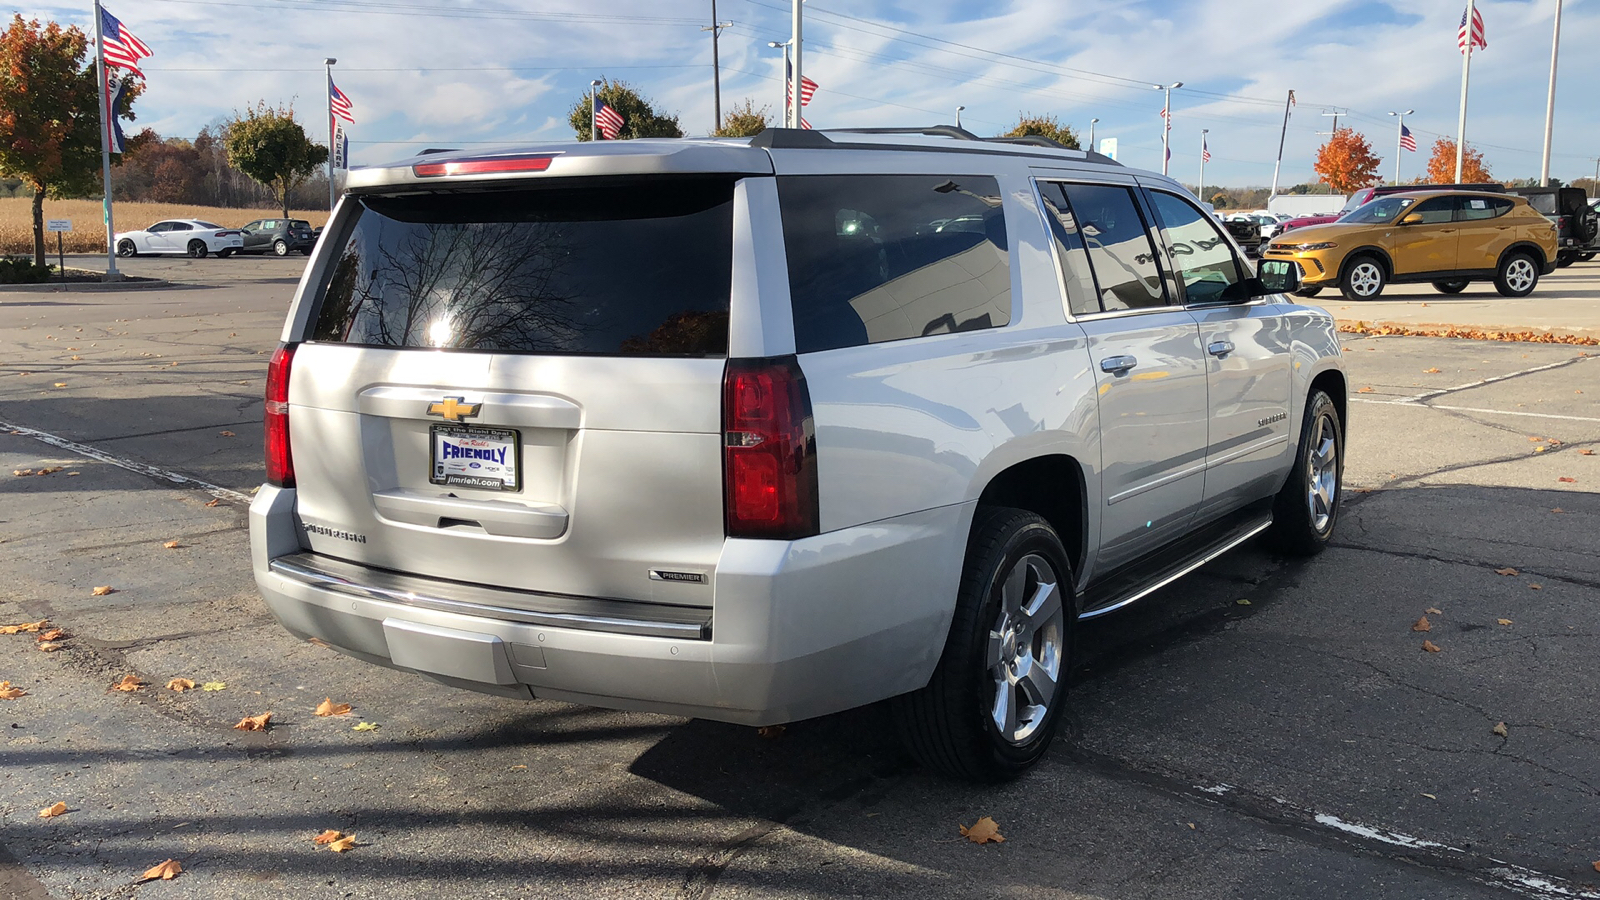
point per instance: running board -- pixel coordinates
(1156, 570)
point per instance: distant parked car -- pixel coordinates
(194, 237)
(279, 236)
(1303, 221)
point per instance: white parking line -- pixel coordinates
(1475, 409)
(121, 462)
(1480, 383)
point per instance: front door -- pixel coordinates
(1428, 245)
(253, 239)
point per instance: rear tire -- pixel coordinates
(1565, 259)
(996, 697)
(1363, 279)
(281, 248)
(1517, 276)
(224, 254)
(197, 249)
(1451, 287)
(1585, 257)
(1307, 508)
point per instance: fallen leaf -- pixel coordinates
(343, 844)
(53, 810)
(515, 768)
(7, 692)
(329, 708)
(254, 723)
(25, 626)
(1241, 602)
(1506, 571)
(1586, 452)
(1504, 621)
(1597, 865)
(61, 384)
(983, 831)
(1422, 625)
(51, 646)
(77, 357)
(327, 837)
(1565, 480)
(365, 726)
(214, 686)
(1501, 729)
(215, 502)
(1365, 390)
(1435, 612)
(1535, 439)
(171, 545)
(770, 731)
(103, 590)
(1558, 510)
(1430, 646)
(54, 634)
(1432, 371)
(180, 685)
(1539, 449)
(1430, 796)
(222, 433)
(166, 871)
(128, 683)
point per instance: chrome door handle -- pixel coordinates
(1219, 348)
(1117, 364)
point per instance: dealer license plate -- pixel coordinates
(470, 456)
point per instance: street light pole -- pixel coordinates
(958, 115)
(1550, 103)
(795, 82)
(783, 45)
(1399, 135)
(716, 66)
(327, 69)
(1166, 123)
(1092, 123)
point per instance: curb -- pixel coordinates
(1522, 333)
(142, 284)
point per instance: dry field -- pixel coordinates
(88, 232)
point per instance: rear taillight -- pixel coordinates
(769, 466)
(280, 464)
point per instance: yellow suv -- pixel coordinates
(1450, 238)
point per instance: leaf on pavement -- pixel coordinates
(1430, 646)
(1557, 509)
(1506, 571)
(54, 634)
(1565, 480)
(51, 646)
(53, 810)
(1597, 865)
(215, 502)
(983, 831)
(365, 726)
(103, 590)
(1536, 439)
(7, 692)
(24, 626)
(1422, 624)
(1586, 452)
(180, 685)
(1435, 612)
(171, 545)
(1504, 621)
(342, 844)
(1539, 449)
(1365, 390)
(225, 433)
(1431, 371)
(327, 837)
(254, 723)
(329, 708)
(214, 686)
(128, 683)
(61, 384)
(1535, 587)
(1241, 602)
(166, 872)
(1501, 729)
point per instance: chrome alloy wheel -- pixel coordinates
(1366, 279)
(1025, 649)
(1520, 275)
(1322, 489)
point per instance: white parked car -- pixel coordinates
(195, 237)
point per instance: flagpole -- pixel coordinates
(327, 68)
(794, 87)
(1281, 136)
(594, 118)
(1466, 72)
(105, 142)
(1550, 102)
(1200, 189)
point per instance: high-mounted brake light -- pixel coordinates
(280, 464)
(483, 166)
(769, 450)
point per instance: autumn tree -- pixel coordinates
(49, 114)
(1029, 125)
(1346, 162)
(639, 118)
(267, 144)
(1442, 165)
(744, 120)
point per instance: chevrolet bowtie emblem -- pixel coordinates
(453, 408)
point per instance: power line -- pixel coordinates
(453, 12)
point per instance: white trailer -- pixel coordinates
(1306, 204)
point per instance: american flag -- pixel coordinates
(123, 50)
(339, 104)
(1407, 140)
(804, 124)
(609, 120)
(807, 87)
(1205, 152)
(1166, 116)
(1478, 38)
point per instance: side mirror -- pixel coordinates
(1411, 219)
(1278, 276)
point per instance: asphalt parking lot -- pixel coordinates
(1261, 729)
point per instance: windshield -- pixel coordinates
(1383, 209)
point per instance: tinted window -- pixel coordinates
(157, 228)
(1482, 208)
(636, 267)
(883, 257)
(1438, 211)
(1083, 297)
(1197, 250)
(180, 226)
(1124, 260)
(302, 223)
(1544, 203)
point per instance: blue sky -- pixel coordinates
(467, 73)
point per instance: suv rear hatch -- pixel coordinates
(521, 387)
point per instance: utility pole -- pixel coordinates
(1166, 123)
(327, 69)
(1399, 137)
(716, 67)
(1335, 114)
(795, 48)
(1287, 105)
(1092, 123)
(1550, 103)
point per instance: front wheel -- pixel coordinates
(197, 249)
(1305, 510)
(1450, 287)
(1517, 276)
(127, 249)
(995, 699)
(1363, 279)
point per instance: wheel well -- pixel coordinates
(1374, 252)
(1332, 383)
(1051, 487)
(1532, 250)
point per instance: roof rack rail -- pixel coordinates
(806, 139)
(955, 131)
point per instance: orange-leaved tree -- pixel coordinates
(1442, 166)
(49, 114)
(1346, 162)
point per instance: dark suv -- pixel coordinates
(1577, 226)
(278, 236)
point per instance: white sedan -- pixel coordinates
(194, 237)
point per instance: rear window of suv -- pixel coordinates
(629, 267)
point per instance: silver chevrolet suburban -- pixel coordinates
(757, 430)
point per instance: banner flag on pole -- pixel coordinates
(116, 141)
(341, 148)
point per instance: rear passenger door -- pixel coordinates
(1485, 232)
(1148, 361)
(1247, 359)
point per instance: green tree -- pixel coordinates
(269, 146)
(1044, 126)
(744, 120)
(49, 114)
(639, 119)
